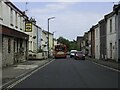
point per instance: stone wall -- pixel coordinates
(15, 55)
(7, 57)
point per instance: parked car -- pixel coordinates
(72, 53)
(79, 55)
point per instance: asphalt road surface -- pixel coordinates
(70, 73)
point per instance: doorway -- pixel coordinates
(111, 50)
(119, 50)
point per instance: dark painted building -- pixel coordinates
(116, 8)
(92, 42)
(102, 25)
(79, 41)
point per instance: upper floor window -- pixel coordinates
(110, 25)
(20, 23)
(116, 45)
(11, 16)
(0, 9)
(96, 33)
(16, 20)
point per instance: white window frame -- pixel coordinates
(20, 22)
(111, 25)
(16, 19)
(11, 16)
(1, 10)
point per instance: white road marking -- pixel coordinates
(106, 67)
(15, 83)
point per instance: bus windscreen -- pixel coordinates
(59, 48)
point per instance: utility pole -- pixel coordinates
(26, 10)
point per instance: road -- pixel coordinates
(70, 73)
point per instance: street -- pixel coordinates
(70, 73)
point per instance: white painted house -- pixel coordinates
(14, 39)
(116, 8)
(45, 42)
(97, 42)
(111, 36)
(34, 36)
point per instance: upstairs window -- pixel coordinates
(11, 16)
(110, 25)
(16, 20)
(20, 23)
(0, 10)
(96, 33)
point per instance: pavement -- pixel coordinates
(108, 63)
(13, 73)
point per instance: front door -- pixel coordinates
(111, 50)
(119, 50)
(14, 51)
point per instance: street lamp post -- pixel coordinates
(53, 38)
(48, 33)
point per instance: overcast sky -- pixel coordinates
(72, 19)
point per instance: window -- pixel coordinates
(9, 45)
(110, 50)
(96, 33)
(21, 42)
(16, 19)
(110, 25)
(0, 10)
(116, 45)
(11, 16)
(20, 23)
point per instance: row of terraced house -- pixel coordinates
(20, 35)
(102, 41)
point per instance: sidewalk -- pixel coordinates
(108, 63)
(15, 72)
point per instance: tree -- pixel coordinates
(64, 41)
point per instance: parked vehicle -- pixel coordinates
(79, 55)
(72, 53)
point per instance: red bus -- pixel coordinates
(60, 51)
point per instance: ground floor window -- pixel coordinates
(9, 45)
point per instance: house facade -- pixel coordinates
(103, 46)
(118, 32)
(111, 36)
(116, 9)
(35, 36)
(79, 41)
(85, 43)
(14, 40)
(89, 43)
(92, 42)
(44, 42)
(97, 42)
